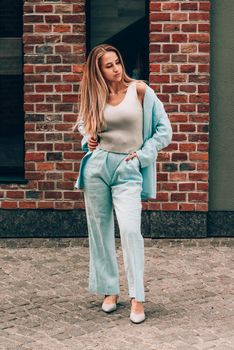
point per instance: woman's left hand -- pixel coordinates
(131, 156)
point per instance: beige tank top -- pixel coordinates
(124, 130)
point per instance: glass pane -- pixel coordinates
(11, 18)
(11, 131)
(10, 56)
(123, 24)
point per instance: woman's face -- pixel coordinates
(111, 67)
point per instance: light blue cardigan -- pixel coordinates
(157, 134)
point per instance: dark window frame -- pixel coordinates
(146, 27)
(13, 173)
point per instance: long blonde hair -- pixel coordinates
(94, 91)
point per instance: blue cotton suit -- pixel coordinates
(110, 182)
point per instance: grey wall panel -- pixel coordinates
(221, 192)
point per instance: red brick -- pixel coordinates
(198, 176)
(64, 205)
(159, 37)
(170, 48)
(73, 18)
(189, 48)
(204, 48)
(204, 27)
(199, 156)
(174, 27)
(179, 78)
(187, 108)
(187, 88)
(33, 39)
(155, 27)
(33, 18)
(159, 58)
(189, 6)
(179, 38)
(186, 207)
(170, 6)
(160, 78)
(53, 195)
(162, 196)
(179, 98)
(160, 17)
(179, 17)
(46, 185)
(153, 206)
(154, 67)
(201, 98)
(43, 28)
(63, 8)
(198, 197)
(52, 19)
(187, 186)
(44, 8)
(46, 205)
(15, 194)
(204, 6)
(170, 88)
(170, 206)
(45, 166)
(27, 205)
(169, 186)
(179, 157)
(201, 38)
(201, 207)
(78, 8)
(199, 58)
(28, 68)
(155, 6)
(187, 68)
(44, 88)
(34, 156)
(189, 27)
(199, 16)
(63, 88)
(178, 197)
(201, 186)
(9, 205)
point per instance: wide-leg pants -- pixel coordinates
(111, 182)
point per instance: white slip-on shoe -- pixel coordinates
(136, 317)
(109, 307)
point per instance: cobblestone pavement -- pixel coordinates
(45, 303)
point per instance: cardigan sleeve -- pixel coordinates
(84, 140)
(162, 135)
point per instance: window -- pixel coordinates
(11, 91)
(123, 24)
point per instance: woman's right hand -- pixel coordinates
(92, 143)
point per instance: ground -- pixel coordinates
(45, 303)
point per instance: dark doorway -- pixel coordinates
(11, 91)
(125, 25)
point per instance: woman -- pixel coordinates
(123, 125)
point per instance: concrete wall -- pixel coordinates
(221, 193)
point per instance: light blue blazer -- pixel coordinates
(157, 134)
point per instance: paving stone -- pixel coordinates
(45, 303)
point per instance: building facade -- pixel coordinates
(42, 64)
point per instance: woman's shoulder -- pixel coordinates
(141, 88)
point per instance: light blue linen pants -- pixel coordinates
(111, 182)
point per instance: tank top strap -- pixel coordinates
(133, 96)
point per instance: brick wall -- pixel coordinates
(54, 51)
(179, 73)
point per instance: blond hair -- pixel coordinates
(94, 91)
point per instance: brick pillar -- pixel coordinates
(54, 46)
(179, 74)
